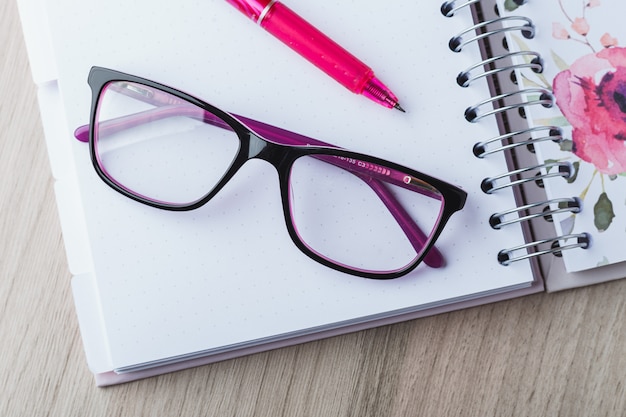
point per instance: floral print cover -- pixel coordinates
(583, 45)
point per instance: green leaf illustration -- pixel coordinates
(560, 62)
(510, 5)
(543, 81)
(523, 46)
(550, 162)
(603, 212)
(567, 145)
(553, 121)
(530, 83)
(604, 261)
(575, 174)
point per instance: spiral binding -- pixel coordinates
(563, 169)
(545, 99)
(465, 78)
(497, 144)
(482, 31)
(448, 8)
(507, 257)
(500, 104)
(562, 205)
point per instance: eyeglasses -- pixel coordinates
(351, 212)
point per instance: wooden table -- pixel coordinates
(544, 355)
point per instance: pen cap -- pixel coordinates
(251, 8)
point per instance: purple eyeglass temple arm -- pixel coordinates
(416, 236)
(371, 174)
(273, 133)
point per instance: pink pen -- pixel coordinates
(318, 48)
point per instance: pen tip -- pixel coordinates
(399, 107)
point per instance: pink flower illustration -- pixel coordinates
(607, 40)
(593, 3)
(559, 31)
(592, 96)
(581, 26)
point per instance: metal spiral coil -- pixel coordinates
(581, 240)
(497, 144)
(481, 31)
(545, 99)
(449, 8)
(551, 169)
(465, 78)
(550, 207)
(494, 68)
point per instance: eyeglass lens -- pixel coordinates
(342, 216)
(161, 152)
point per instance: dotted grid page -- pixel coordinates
(172, 284)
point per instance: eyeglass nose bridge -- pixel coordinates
(274, 153)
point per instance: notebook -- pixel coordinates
(554, 67)
(583, 62)
(159, 291)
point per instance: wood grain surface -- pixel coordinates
(558, 354)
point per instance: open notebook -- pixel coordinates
(565, 102)
(584, 69)
(158, 291)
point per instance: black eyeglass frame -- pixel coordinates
(254, 144)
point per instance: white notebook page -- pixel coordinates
(171, 284)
